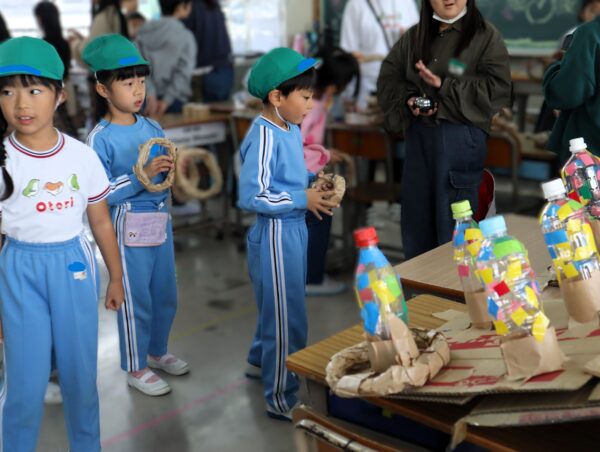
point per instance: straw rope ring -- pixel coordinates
(191, 173)
(138, 169)
(189, 185)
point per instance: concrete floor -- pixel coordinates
(214, 407)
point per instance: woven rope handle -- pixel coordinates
(144, 153)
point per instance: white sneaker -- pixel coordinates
(375, 217)
(53, 394)
(394, 211)
(327, 287)
(253, 372)
(169, 364)
(156, 388)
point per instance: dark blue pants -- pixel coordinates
(216, 85)
(443, 165)
(318, 242)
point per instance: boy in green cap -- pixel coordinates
(147, 315)
(273, 184)
(47, 268)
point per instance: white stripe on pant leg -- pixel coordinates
(284, 318)
(276, 292)
(89, 254)
(3, 393)
(128, 331)
(129, 307)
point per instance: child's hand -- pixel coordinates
(115, 295)
(317, 201)
(160, 164)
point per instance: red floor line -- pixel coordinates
(175, 412)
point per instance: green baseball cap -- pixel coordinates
(274, 68)
(112, 51)
(32, 56)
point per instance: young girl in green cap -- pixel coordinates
(149, 270)
(48, 281)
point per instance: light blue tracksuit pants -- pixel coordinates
(49, 303)
(277, 266)
(146, 317)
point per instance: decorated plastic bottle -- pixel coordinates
(377, 287)
(504, 269)
(581, 174)
(467, 240)
(568, 234)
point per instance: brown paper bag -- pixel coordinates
(401, 349)
(582, 297)
(525, 357)
(478, 309)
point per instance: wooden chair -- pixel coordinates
(365, 144)
(315, 432)
(504, 151)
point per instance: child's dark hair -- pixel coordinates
(306, 80)
(338, 68)
(168, 7)
(107, 77)
(25, 80)
(135, 16)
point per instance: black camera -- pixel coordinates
(424, 104)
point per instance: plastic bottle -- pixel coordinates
(467, 240)
(504, 269)
(377, 287)
(580, 175)
(568, 234)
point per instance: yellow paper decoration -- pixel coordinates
(501, 328)
(531, 297)
(474, 247)
(373, 277)
(574, 225)
(519, 316)
(564, 212)
(570, 271)
(486, 275)
(383, 292)
(514, 270)
(589, 236)
(564, 250)
(583, 252)
(459, 254)
(540, 326)
(473, 234)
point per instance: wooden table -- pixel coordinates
(310, 365)
(434, 272)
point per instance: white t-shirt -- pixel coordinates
(362, 33)
(52, 190)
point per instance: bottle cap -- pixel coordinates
(491, 226)
(555, 187)
(577, 144)
(366, 237)
(461, 209)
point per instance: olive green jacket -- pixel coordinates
(471, 97)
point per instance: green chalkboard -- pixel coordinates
(531, 27)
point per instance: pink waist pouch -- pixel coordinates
(145, 228)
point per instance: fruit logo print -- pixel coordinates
(34, 187)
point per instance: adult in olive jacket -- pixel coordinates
(459, 61)
(572, 86)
